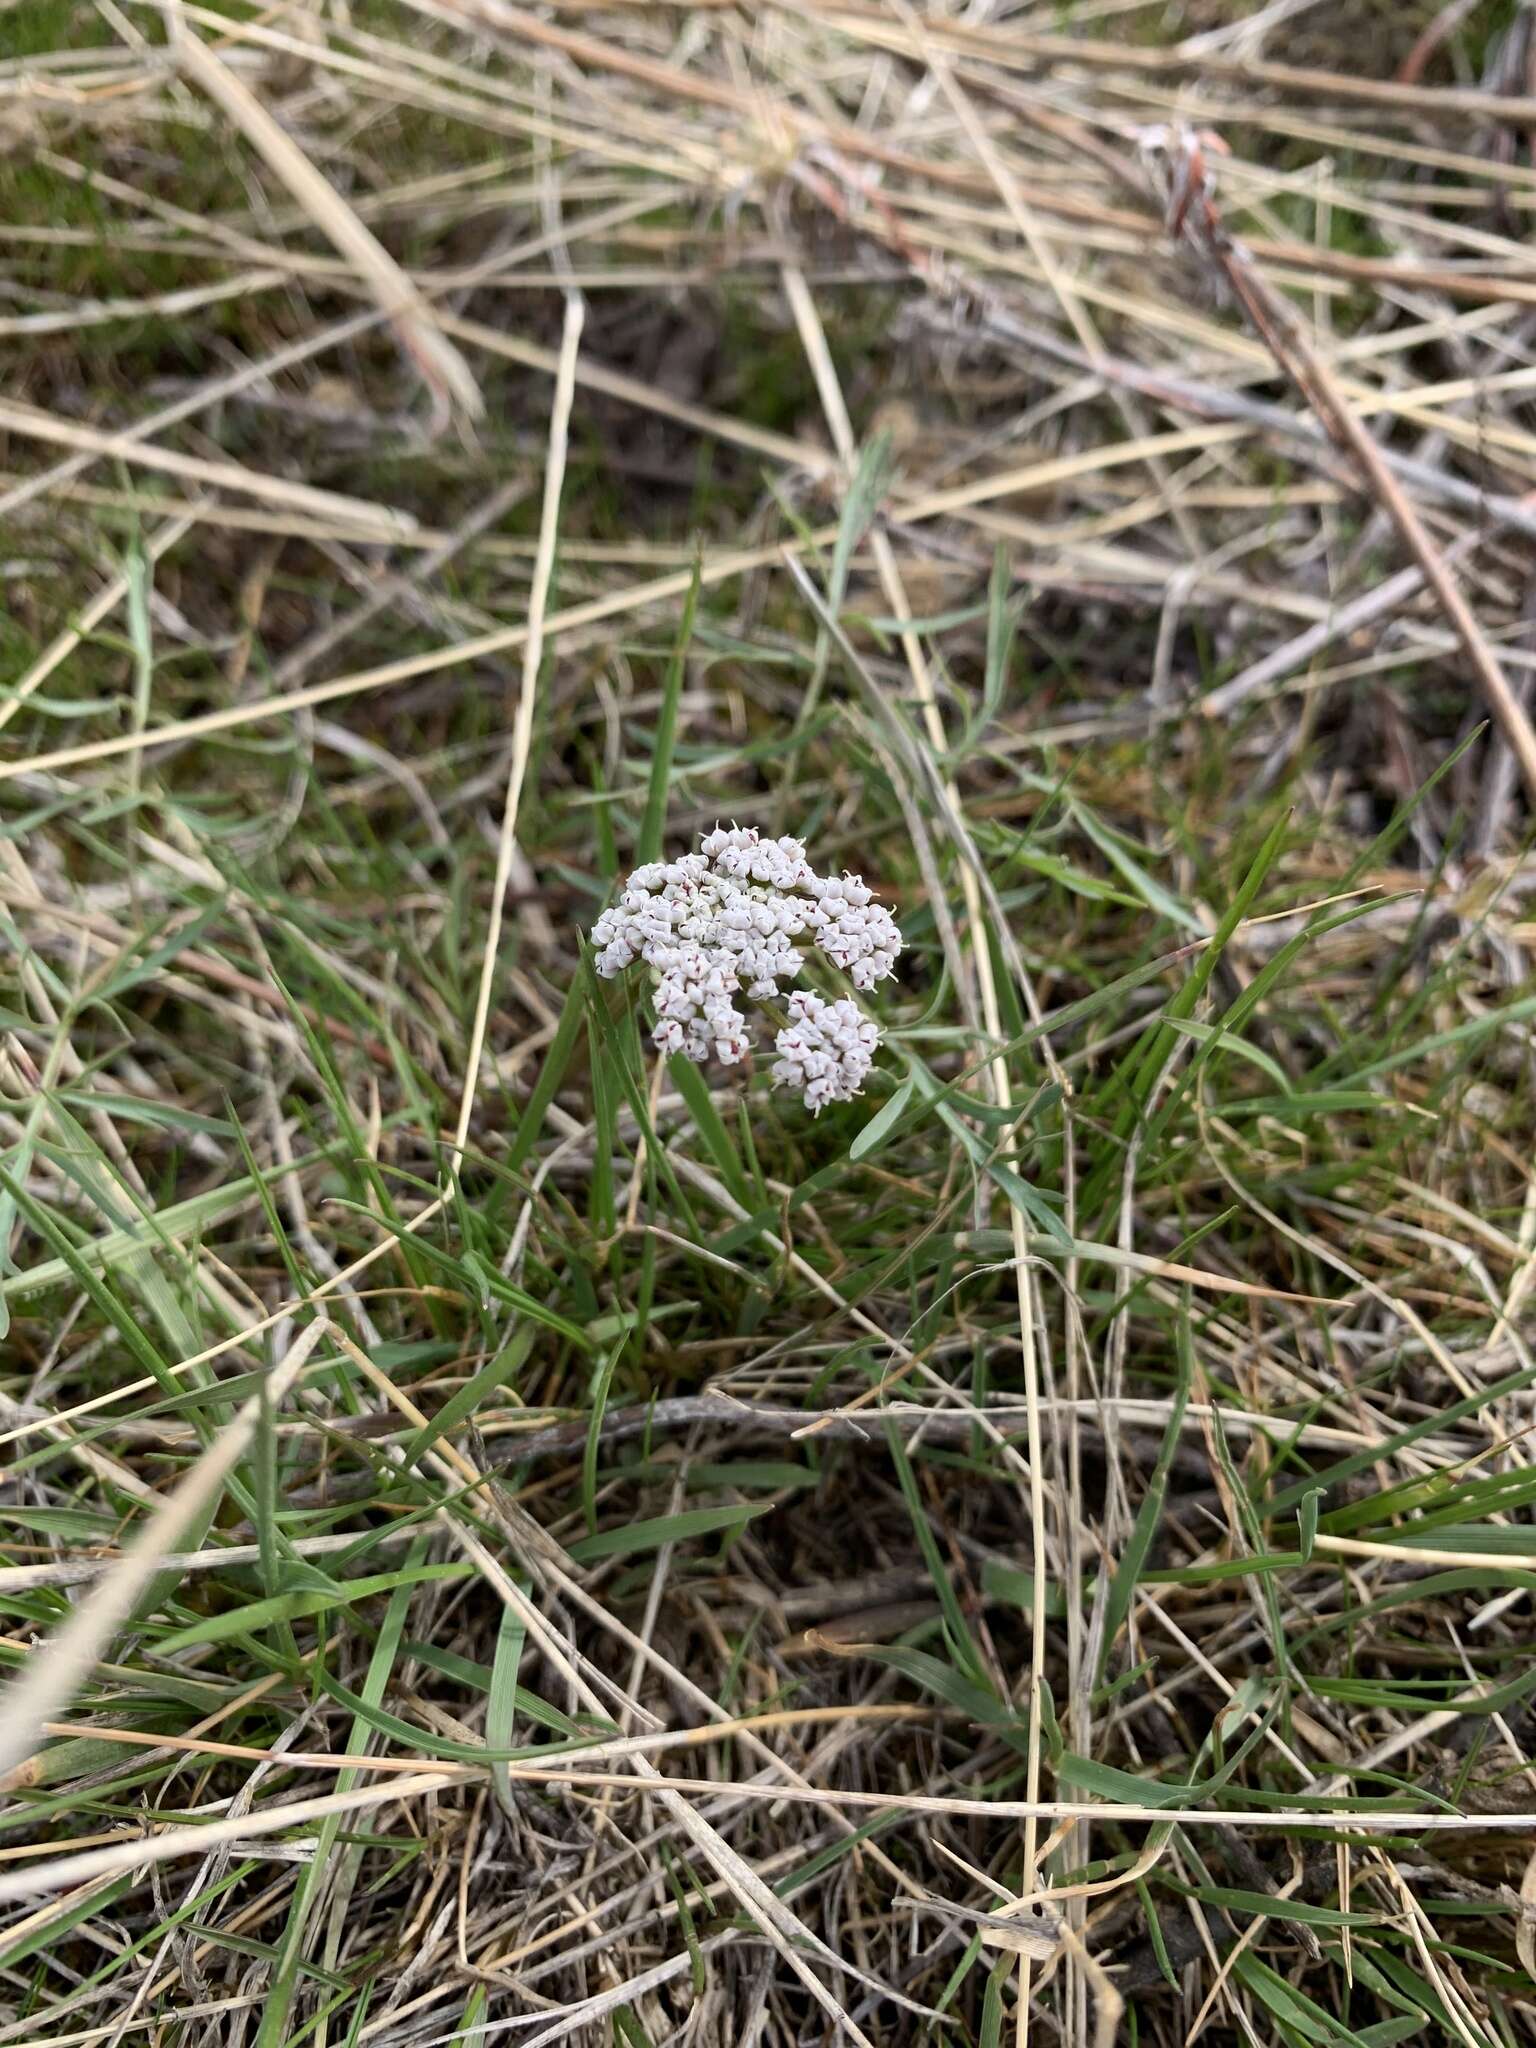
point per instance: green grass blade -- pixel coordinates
(1122, 1587)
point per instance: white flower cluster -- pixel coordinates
(726, 918)
(825, 1050)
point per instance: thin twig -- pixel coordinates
(1194, 217)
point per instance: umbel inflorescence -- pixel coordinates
(727, 918)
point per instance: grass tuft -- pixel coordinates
(507, 1537)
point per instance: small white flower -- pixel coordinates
(724, 919)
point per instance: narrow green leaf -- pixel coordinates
(1122, 1587)
(1391, 1446)
(56, 1925)
(424, 1742)
(1162, 902)
(176, 1221)
(77, 1265)
(1001, 626)
(861, 504)
(881, 1124)
(1155, 1929)
(1267, 1907)
(685, 1920)
(321, 1873)
(1306, 1516)
(259, 1614)
(602, 1381)
(471, 2032)
(991, 2033)
(551, 1074)
(459, 1407)
(654, 822)
(135, 971)
(1288, 2005)
(133, 1109)
(959, 1634)
(1472, 1032)
(690, 1084)
(501, 1701)
(632, 1536)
